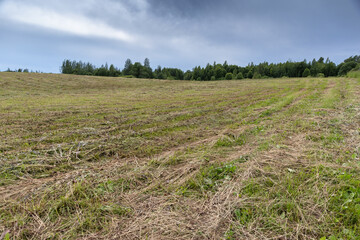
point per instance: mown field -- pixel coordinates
(110, 158)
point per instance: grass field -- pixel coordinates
(110, 158)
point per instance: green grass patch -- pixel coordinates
(209, 178)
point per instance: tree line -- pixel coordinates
(25, 70)
(216, 71)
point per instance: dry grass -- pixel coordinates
(110, 158)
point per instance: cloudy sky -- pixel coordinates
(39, 34)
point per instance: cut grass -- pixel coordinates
(90, 157)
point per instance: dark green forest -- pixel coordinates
(216, 71)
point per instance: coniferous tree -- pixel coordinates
(112, 71)
(127, 67)
(147, 71)
(147, 63)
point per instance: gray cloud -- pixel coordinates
(175, 33)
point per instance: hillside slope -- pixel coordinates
(110, 158)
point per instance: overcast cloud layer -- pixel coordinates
(39, 34)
